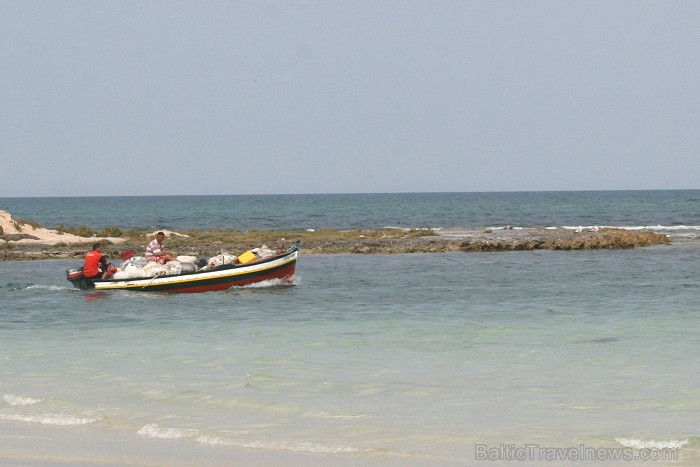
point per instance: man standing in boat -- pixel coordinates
(155, 251)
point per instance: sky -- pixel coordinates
(378, 96)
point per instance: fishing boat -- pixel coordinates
(281, 266)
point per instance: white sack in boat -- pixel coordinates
(156, 269)
(186, 259)
(174, 268)
(138, 261)
(263, 251)
(221, 259)
(130, 271)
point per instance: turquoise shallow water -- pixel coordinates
(415, 358)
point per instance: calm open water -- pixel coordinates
(414, 358)
(673, 209)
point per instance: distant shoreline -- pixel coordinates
(366, 242)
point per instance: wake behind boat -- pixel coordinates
(209, 278)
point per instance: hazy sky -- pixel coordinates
(255, 97)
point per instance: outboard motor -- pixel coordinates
(76, 277)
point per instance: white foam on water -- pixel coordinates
(652, 444)
(593, 228)
(17, 400)
(278, 445)
(152, 430)
(408, 229)
(580, 228)
(51, 288)
(334, 415)
(663, 227)
(586, 228)
(50, 419)
(271, 283)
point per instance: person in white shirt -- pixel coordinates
(155, 251)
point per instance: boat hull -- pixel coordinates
(281, 267)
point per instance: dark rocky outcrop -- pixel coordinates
(456, 240)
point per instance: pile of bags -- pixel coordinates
(138, 267)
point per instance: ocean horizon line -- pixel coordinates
(615, 190)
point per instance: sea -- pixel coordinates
(516, 358)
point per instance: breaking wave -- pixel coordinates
(279, 445)
(50, 419)
(652, 444)
(17, 400)
(152, 430)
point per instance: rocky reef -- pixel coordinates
(366, 242)
(563, 239)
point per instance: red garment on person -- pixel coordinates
(158, 259)
(91, 267)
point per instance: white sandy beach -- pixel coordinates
(42, 235)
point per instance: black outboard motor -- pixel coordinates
(77, 278)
